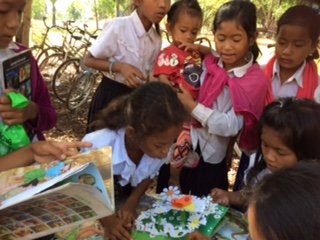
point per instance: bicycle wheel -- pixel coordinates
(50, 64)
(36, 51)
(47, 52)
(64, 78)
(81, 89)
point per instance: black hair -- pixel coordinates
(191, 7)
(244, 13)
(286, 203)
(305, 17)
(297, 121)
(150, 109)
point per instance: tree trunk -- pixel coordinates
(23, 34)
(96, 13)
(53, 13)
(270, 18)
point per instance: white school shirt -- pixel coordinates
(317, 93)
(122, 164)
(290, 87)
(219, 123)
(8, 51)
(124, 39)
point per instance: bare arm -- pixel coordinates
(133, 76)
(118, 225)
(97, 63)
(133, 200)
(229, 198)
(42, 151)
(203, 50)
(164, 79)
(20, 158)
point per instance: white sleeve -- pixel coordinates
(105, 45)
(217, 122)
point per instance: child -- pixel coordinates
(41, 151)
(141, 127)
(39, 115)
(292, 72)
(286, 137)
(286, 205)
(180, 64)
(231, 99)
(125, 51)
(174, 65)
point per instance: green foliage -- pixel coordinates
(105, 8)
(75, 10)
(209, 9)
(38, 9)
(269, 11)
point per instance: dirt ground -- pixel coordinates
(71, 124)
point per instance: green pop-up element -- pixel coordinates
(14, 137)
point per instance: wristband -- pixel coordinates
(110, 67)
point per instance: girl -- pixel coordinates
(286, 137)
(231, 99)
(181, 64)
(141, 127)
(39, 115)
(175, 65)
(292, 72)
(125, 51)
(289, 211)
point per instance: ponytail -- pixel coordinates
(113, 116)
(255, 51)
(314, 55)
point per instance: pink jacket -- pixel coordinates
(248, 96)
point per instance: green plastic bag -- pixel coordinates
(14, 137)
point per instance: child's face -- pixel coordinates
(10, 17)
(152, 11)
(293, 45)
(158, 145)
(185, 29)
(232, 44)
(276, 154)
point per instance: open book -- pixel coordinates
(39, 200)
(15, 72)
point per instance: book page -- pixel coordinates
(21, 184)
(54, 210)
(102, 158)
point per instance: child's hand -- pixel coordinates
(127, 217)
(197, 236)
(220, 196)
(13, 116)
(114, 228)
(188, 47)
(186, 98)
(132, 75)
(46, 151)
